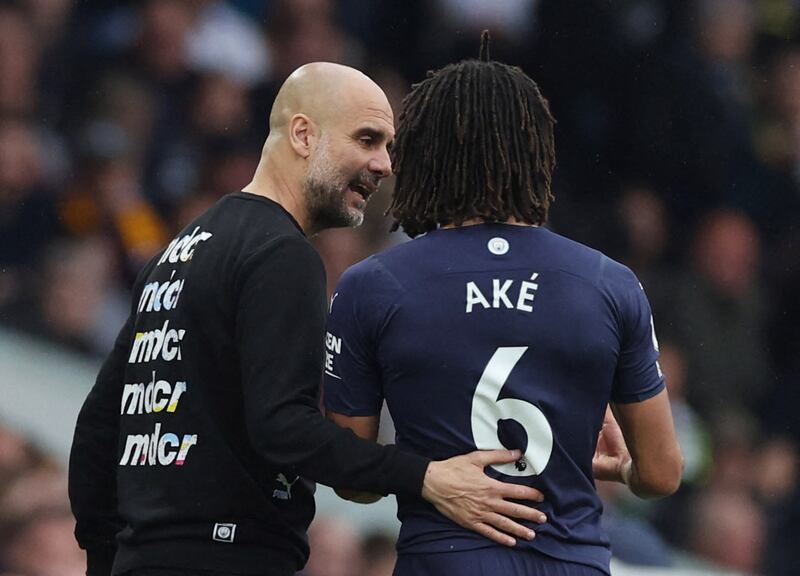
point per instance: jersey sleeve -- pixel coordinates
(638, 376)
(352, 374)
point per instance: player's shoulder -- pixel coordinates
(381, 278)
(366, 274)
(589, 263)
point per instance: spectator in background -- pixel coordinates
(77, 304)
(219, 106)
(50, 18)
(307, 31)
(771, 196)
(780, 142)
(27, 216)
(35, 521)
(16, 457)
(107, 196)
(735, 438)
(57, 55)
(778, 490)
(219, 136)
(718, 315)
(42, 544)
(35, 489)
(644, 223)
(161, 46)
(19, 59)
(224, 41)
(728, 529)
(124, 108)
(692, 132)
(159, 57)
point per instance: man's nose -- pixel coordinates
(381, 164)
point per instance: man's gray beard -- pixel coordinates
(327, 207)
(326, 200)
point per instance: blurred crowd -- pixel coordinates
(678, 146)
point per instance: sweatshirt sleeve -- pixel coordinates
(279, 331)
(94, 453)
(93, 461)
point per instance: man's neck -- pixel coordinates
(270, 183)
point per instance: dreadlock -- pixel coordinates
(474, 140)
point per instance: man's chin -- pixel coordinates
(348, 218)
(357, 223)
(355, 217)
(352, 216)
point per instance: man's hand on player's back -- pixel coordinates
(460, 489)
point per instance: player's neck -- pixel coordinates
(473, 221)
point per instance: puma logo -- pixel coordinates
(287, 493)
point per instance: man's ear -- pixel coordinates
(303, 135)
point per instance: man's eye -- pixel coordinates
(366, 140)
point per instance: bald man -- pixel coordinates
(197, 448)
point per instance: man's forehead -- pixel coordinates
(372, 119)
(379, 118)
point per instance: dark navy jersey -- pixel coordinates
(492, 336)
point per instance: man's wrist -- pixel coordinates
(424, 490)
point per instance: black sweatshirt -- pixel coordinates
(197, 446)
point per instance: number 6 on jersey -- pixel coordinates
(488, 410)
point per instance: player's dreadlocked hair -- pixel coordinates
(474, 140)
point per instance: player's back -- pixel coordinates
(495, 335)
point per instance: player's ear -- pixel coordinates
(303, 133)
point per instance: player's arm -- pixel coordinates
(639, 447)
(642, 449)
(364, 427)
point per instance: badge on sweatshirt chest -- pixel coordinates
(224, 532)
